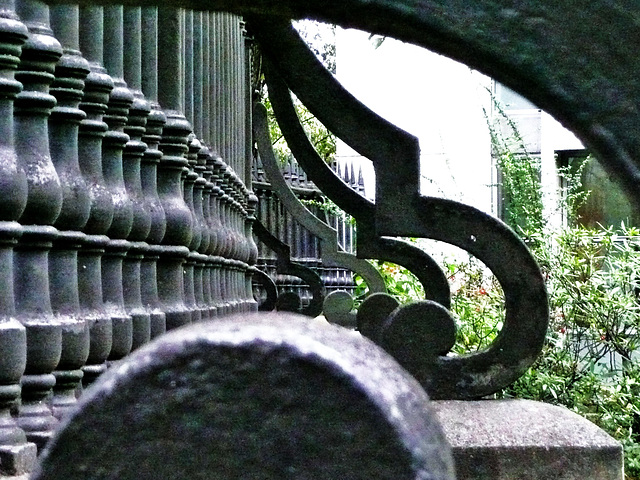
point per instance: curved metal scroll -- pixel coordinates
(285, 266)
(269, 304)
(401, 211)
(369, 245)
(330, 249)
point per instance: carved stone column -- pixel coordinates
(92, 306)
(190, 177)
(64, 122)
(149, 170)
(199, 199)
(98, 86)
(198, 74)
(174, 148)
(14, 449)
(44, 201)
(65, 302)
(206, 79)
(203, 158)
(252, 202)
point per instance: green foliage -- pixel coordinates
(326, 205)
(573, 194)
(320, 38)
(519, 174)
(400, 283)
(323, 140)
(476, 302)
(591, 360)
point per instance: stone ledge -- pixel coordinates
(526, 440)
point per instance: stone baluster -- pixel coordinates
(64, 123)
(204, 157)
(188, 63)
(207, 55)
(216, 259)
(231, 97)
(198, 71)
(199, 254)
(114, 142)
(224, 89)
(174, 147)
(213, 80)
(245, 253)
(190, 176)
(134, 151)
(237, 246)
(240, 102)
(221, 268)
(242, 256)
(65, 301)
(17, 455)
(248, 104)
(98, 86)
(199, 200)
(149, 170)
(252, 202)
(44, 202)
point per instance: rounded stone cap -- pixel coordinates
(271, 396)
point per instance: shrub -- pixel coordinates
(591, 360)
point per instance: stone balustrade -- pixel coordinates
(127, 207)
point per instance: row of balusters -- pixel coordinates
(124, 210)
(272, 214)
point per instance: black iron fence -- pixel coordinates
(306, 247)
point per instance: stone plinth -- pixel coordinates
(17, 460)
(526, 440)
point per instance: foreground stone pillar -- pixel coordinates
(253, 396)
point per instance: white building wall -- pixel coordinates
(443, 103)
(438, 100)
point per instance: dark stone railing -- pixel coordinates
(126, 208)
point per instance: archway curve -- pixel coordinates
(573, 61)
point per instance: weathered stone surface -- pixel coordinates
(373, 314)
(17, 459)
(418, 331)
(526, 440)
(338, 309)
(252, 396)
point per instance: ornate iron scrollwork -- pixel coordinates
(400, 210)
(285, 266)
(331, 253)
